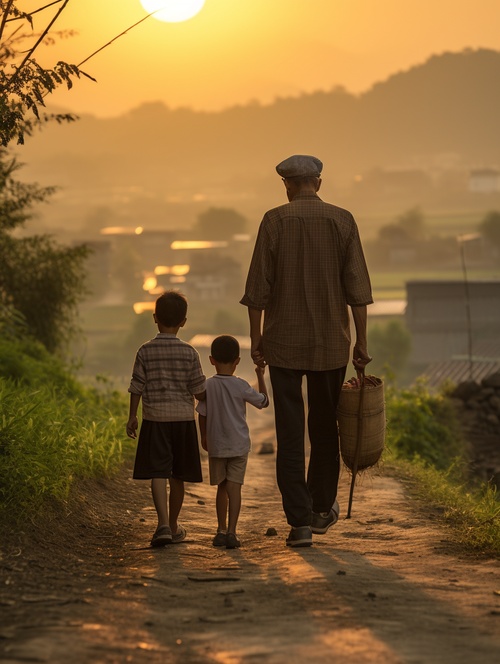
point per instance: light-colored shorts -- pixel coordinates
(224, 468)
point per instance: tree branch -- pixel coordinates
(115, 38)
(4, 17)
(35, 11)
(35, 46)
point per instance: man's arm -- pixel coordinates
(360, 356)
(133, 422)
(255, 317)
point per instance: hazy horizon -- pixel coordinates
(230, 54)
(251, 102)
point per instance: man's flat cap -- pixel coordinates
(300, 165)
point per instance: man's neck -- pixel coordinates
(305, 192)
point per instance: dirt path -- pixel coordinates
(383, 587)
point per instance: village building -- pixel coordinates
(455, 328)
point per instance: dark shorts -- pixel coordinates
(168, 449)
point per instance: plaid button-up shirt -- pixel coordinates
(167, 372)
(307, 266)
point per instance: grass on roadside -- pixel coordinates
(49, 439)
(473, 513)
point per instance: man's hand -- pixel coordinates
(132, 425)
(360, 357)
(256, 353)
(255, 317)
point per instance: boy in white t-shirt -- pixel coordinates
(224, 432)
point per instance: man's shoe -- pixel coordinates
(301, 536)
(232, 542)
(323, 520)
(162, 536)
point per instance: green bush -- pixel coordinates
(28, 362)
(421, 425)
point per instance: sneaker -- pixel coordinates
(162, 536)
(220, 538)
(301, 536)
(323, 520)
(180, 534)
(232, 542)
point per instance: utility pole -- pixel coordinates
(462, 240)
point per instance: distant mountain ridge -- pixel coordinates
(444, 109)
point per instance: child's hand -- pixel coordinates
(260, 371)
(132, 425)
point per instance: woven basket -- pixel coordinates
(371, 444)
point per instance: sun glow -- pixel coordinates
(173, 11)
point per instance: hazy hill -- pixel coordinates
(444, 111)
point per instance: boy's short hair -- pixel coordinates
(171, 308)
(225, 349)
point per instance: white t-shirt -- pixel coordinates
(225, 410)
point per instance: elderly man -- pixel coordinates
(307, 268)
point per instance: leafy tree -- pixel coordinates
(413, 223)
(393, 234)
(41, 282)
(220, 224)
(390, 346)
(40, 279)
(24, 83)
(409, 226)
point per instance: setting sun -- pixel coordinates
(173, 11)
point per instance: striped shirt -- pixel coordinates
(307, 266)
(167, 373)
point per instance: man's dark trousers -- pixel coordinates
(318, 493)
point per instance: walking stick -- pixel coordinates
(359, 437)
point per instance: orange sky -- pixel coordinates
(235, 51)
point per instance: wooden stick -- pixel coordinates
(359, 437)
